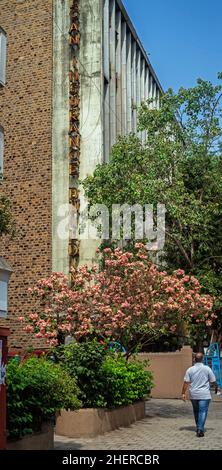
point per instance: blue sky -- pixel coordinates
(182, 37)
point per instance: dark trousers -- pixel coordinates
(200, 410)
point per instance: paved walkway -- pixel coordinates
(168, 425)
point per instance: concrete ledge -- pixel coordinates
(43, 440)
(91, 422)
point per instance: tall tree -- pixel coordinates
(179, 166)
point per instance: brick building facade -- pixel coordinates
(75, 71)
(26, 117)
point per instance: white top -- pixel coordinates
(200, 376)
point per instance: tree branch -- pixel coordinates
(181, 248)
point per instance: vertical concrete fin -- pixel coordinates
(143, 92)
(146, 90)
(119, 73)
(134, 87)
(60, 129)
(146, 84)
(91, 103)
(138, 82)
(112, 46)
(154, 94)
(124, 87)
(106, 41)
(129, 82)
(151, 89)
(106, 74)
(157, 98)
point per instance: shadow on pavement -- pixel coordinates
(66, 444)
(192, 428)
(188, 428)
(166, 410)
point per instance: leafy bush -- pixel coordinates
(36, 389)
(126, 382)
(104, 377)
(84, 361)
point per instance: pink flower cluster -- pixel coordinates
(128, 292)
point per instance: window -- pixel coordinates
(1, 151)
(3, 298)
(3, 46)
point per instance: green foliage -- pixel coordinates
(126, 382)
(199, 335)
(36, 389)
(179, 166)
(105, 378)
(83, 361)
(6, 222)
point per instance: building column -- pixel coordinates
(143, 92)
(106, 78)
(134, 85)
(138, 83)
(124, 81)
(112, 48)
(60, 136)
(91, 102)
(119, 73)
(129, 82)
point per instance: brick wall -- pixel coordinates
(25, 114)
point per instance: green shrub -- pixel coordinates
(126, 382)
(83, 361)
(104, 377)
(36, 389)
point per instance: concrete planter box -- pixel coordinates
(92, 422)
(43, 440)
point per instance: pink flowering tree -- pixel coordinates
(128, 300)
(51, 319)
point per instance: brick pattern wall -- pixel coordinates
(26, 115)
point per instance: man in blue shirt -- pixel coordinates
(198, 379)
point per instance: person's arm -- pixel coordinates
(184, 390)
(212, 380)
(186, 383)
(215, 386)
